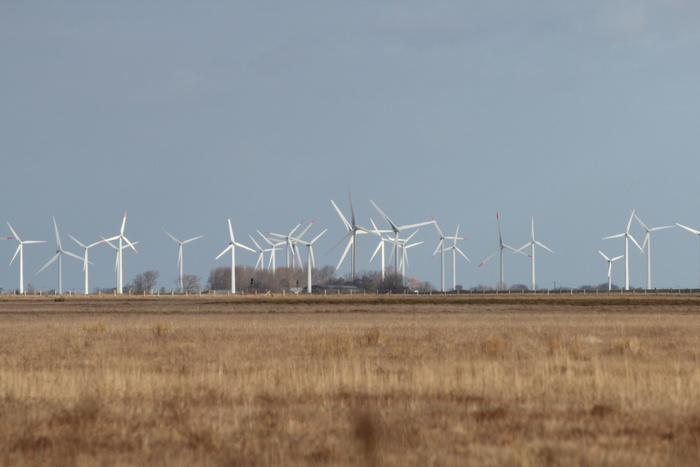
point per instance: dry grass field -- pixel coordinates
(362, 380)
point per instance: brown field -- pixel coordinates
(362, 380)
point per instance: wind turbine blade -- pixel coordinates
(342, 217)
(255, 243)
(76, 241)
(647, 236)
(129, 244)
(295, 228)
(55, 257)
(174, 239)
(244, 247)
(393, 226)
(519, 250)
(614, 236)
(376, 250)
(19, 247)
(617, 257)
(108, 242)
(225, 250)
(661, 228)
(58, 238)
(311, 253)
(440, 245)
(437, 227)
(352, 209)
(543, 246)
(230, 231)
(19, 240)
(121, 231)
(500, 235)
(341, 241)
(490, 256)
(629, 222)
(413, 226)
(345, 252)
(508, 247)
(306, 229)
(410, 236)
(696, 232)
(73, 255)
(462, 253)
(640, 222)
(603, 255)
(634, 241)
(192, 239)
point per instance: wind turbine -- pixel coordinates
(85, 260)
(441, 249)
(647, 244)
(59, 255)
(232, 246)
(20, 250)
(179, 256)
(310, 263)
(292, 242)
(261, 257)
(610, 261)
(696, 232)
(627, 236)
(353, 229)
(501, 246)
(397, 230)
(532, 244)
(380, 245)
(122, 239)
(402, 246)
(272, 263)
(455, 249)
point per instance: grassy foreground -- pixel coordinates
(364, 380)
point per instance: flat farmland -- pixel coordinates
(350, 380)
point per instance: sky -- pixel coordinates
(186, 114)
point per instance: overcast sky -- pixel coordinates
(186, 114)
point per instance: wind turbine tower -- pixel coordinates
(647, 244)
(85, 260)
(310, 262)
(20, 250)
(232, 246)
(610, 261)
(123, 243)
(532, 244)
(59, 255)
(696, 232)
(441, 249)
(353, 229)
(181, 285)
(627, 236)
(501, 246)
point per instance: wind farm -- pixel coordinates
(261, 273)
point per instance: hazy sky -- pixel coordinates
(186, 114)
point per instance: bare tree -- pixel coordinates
(323, 275)
(190, 283)
(219, 278)
(145, 282)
